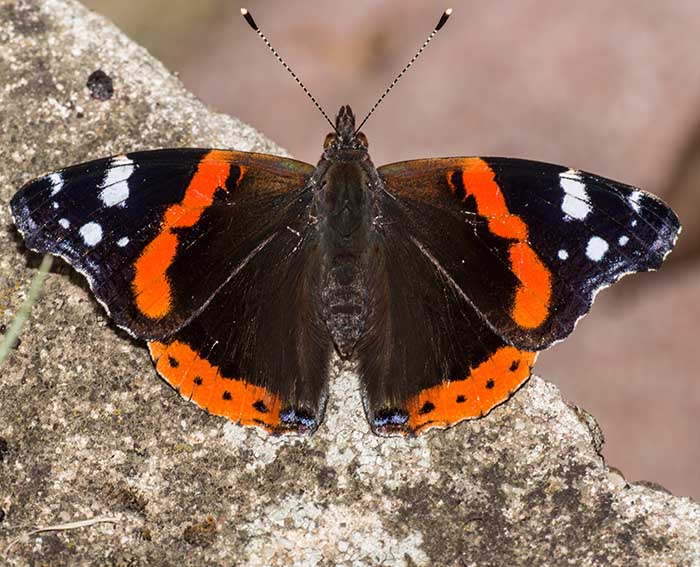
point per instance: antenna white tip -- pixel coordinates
(443, 19)
(249, 18)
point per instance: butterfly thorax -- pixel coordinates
(343, 206)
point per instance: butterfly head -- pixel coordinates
(345, 142)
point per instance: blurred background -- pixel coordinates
(607, 87)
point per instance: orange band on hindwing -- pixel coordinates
(201, 382)
(486, 386)
(532, 297)
(151, 285)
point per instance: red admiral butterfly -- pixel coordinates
(442, 278)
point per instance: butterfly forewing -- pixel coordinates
(529, 244)
(158, 233)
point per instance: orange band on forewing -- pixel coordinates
(201, 382)
(531, 305)
(151, 286)
(532, 297)
(486, 386)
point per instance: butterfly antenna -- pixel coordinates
(251, 22)
(443, 20)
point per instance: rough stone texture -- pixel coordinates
(91, 431)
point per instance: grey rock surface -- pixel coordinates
(88, 430)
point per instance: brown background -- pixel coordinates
(608, 87)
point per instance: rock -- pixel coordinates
(90, 430)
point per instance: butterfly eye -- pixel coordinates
(330, 138)
(362, 139)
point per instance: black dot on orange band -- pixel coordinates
(173, 361)
(198, 380)
(260, 406)
(514, 365)
(427, 408)
(490, 383)
(227, 395)
(461, 399)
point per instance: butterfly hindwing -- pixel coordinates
(427, 358)
(258, 353)
(157, 233)
(480, 263)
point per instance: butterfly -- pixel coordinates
(245, 273)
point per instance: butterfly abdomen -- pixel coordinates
(345, 224)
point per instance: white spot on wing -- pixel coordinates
(575, 204)
(65, 223)
(623, 240)
(91, 233)
(596, 248)
(563, 254)
(635, 199)
(56, 180)
(115, 187)
(55, 205)
(122, 242)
